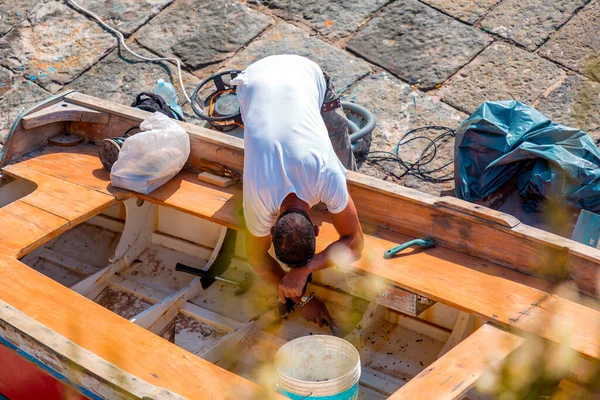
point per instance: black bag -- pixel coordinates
(152, 103)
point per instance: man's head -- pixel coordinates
(294, 238)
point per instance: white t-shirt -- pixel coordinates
(286, 145)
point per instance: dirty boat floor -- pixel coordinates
(391, 356)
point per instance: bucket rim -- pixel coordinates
(354, 372)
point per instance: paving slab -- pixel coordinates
(500, 72)
(125, 15)
(120, 76)
(334, 19)
(54, 46)
(417, 43)
(530, 22)
(343, 68)
(12, 12)
(202, 33)
(466, 10)
(16, 93)
(399, 108)
(576, 103)
(577, 45)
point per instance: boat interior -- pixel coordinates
(100, 262)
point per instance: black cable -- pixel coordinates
(427, 156)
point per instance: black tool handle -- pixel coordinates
(194, 271)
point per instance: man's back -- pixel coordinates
(287, 147)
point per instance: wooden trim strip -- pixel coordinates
(451, 376)
(98, 378)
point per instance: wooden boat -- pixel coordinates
(90, 301)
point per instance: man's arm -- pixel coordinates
(351, 240)
(257, 250)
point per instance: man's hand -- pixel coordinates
(315, 311)
(292, 284)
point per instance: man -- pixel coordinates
(290, 165)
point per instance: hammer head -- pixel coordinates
(244, 285)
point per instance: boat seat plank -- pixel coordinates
(187, 194)
(61, 197)
(440, 274)
(451, 376)
(79, 165)
(563, 321)
(25, 227)
(115, 339)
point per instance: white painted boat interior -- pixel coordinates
(125, 261)
(13, 189)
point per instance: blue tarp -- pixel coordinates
(502, 139)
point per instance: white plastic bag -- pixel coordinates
(150, 158)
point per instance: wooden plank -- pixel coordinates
(220, 205)
(25, 227)
(231, 346)
(157, 317)
(70, 360)
(79, 165)
(479, 212)
(62, 112)
(94, 284)
(184, 246)
(560, 321)
(440, 274)
(451, 376)
(215, 179)
(61, 197)
(154, 296)
(462, 329)
(372, 315)
(77, 266)
(112, 338)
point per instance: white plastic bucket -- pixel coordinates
(318, 367)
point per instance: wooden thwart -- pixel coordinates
(450, 377)
(61, 112)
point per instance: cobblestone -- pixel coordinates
(16, 93)
(334, 18)
(46, 46)
(530, 22)
(202, 33)
(576, 102)
(501, 72)
(125, 15)
(12, 12)
(577, 44)
(283, 38)
(54, 46)
(130, 76)
(467, 10)
(417, 43)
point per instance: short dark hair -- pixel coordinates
(294, 238)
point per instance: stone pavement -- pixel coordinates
(413, 63)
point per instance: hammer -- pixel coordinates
(207, 279)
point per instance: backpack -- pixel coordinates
(152, 103)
